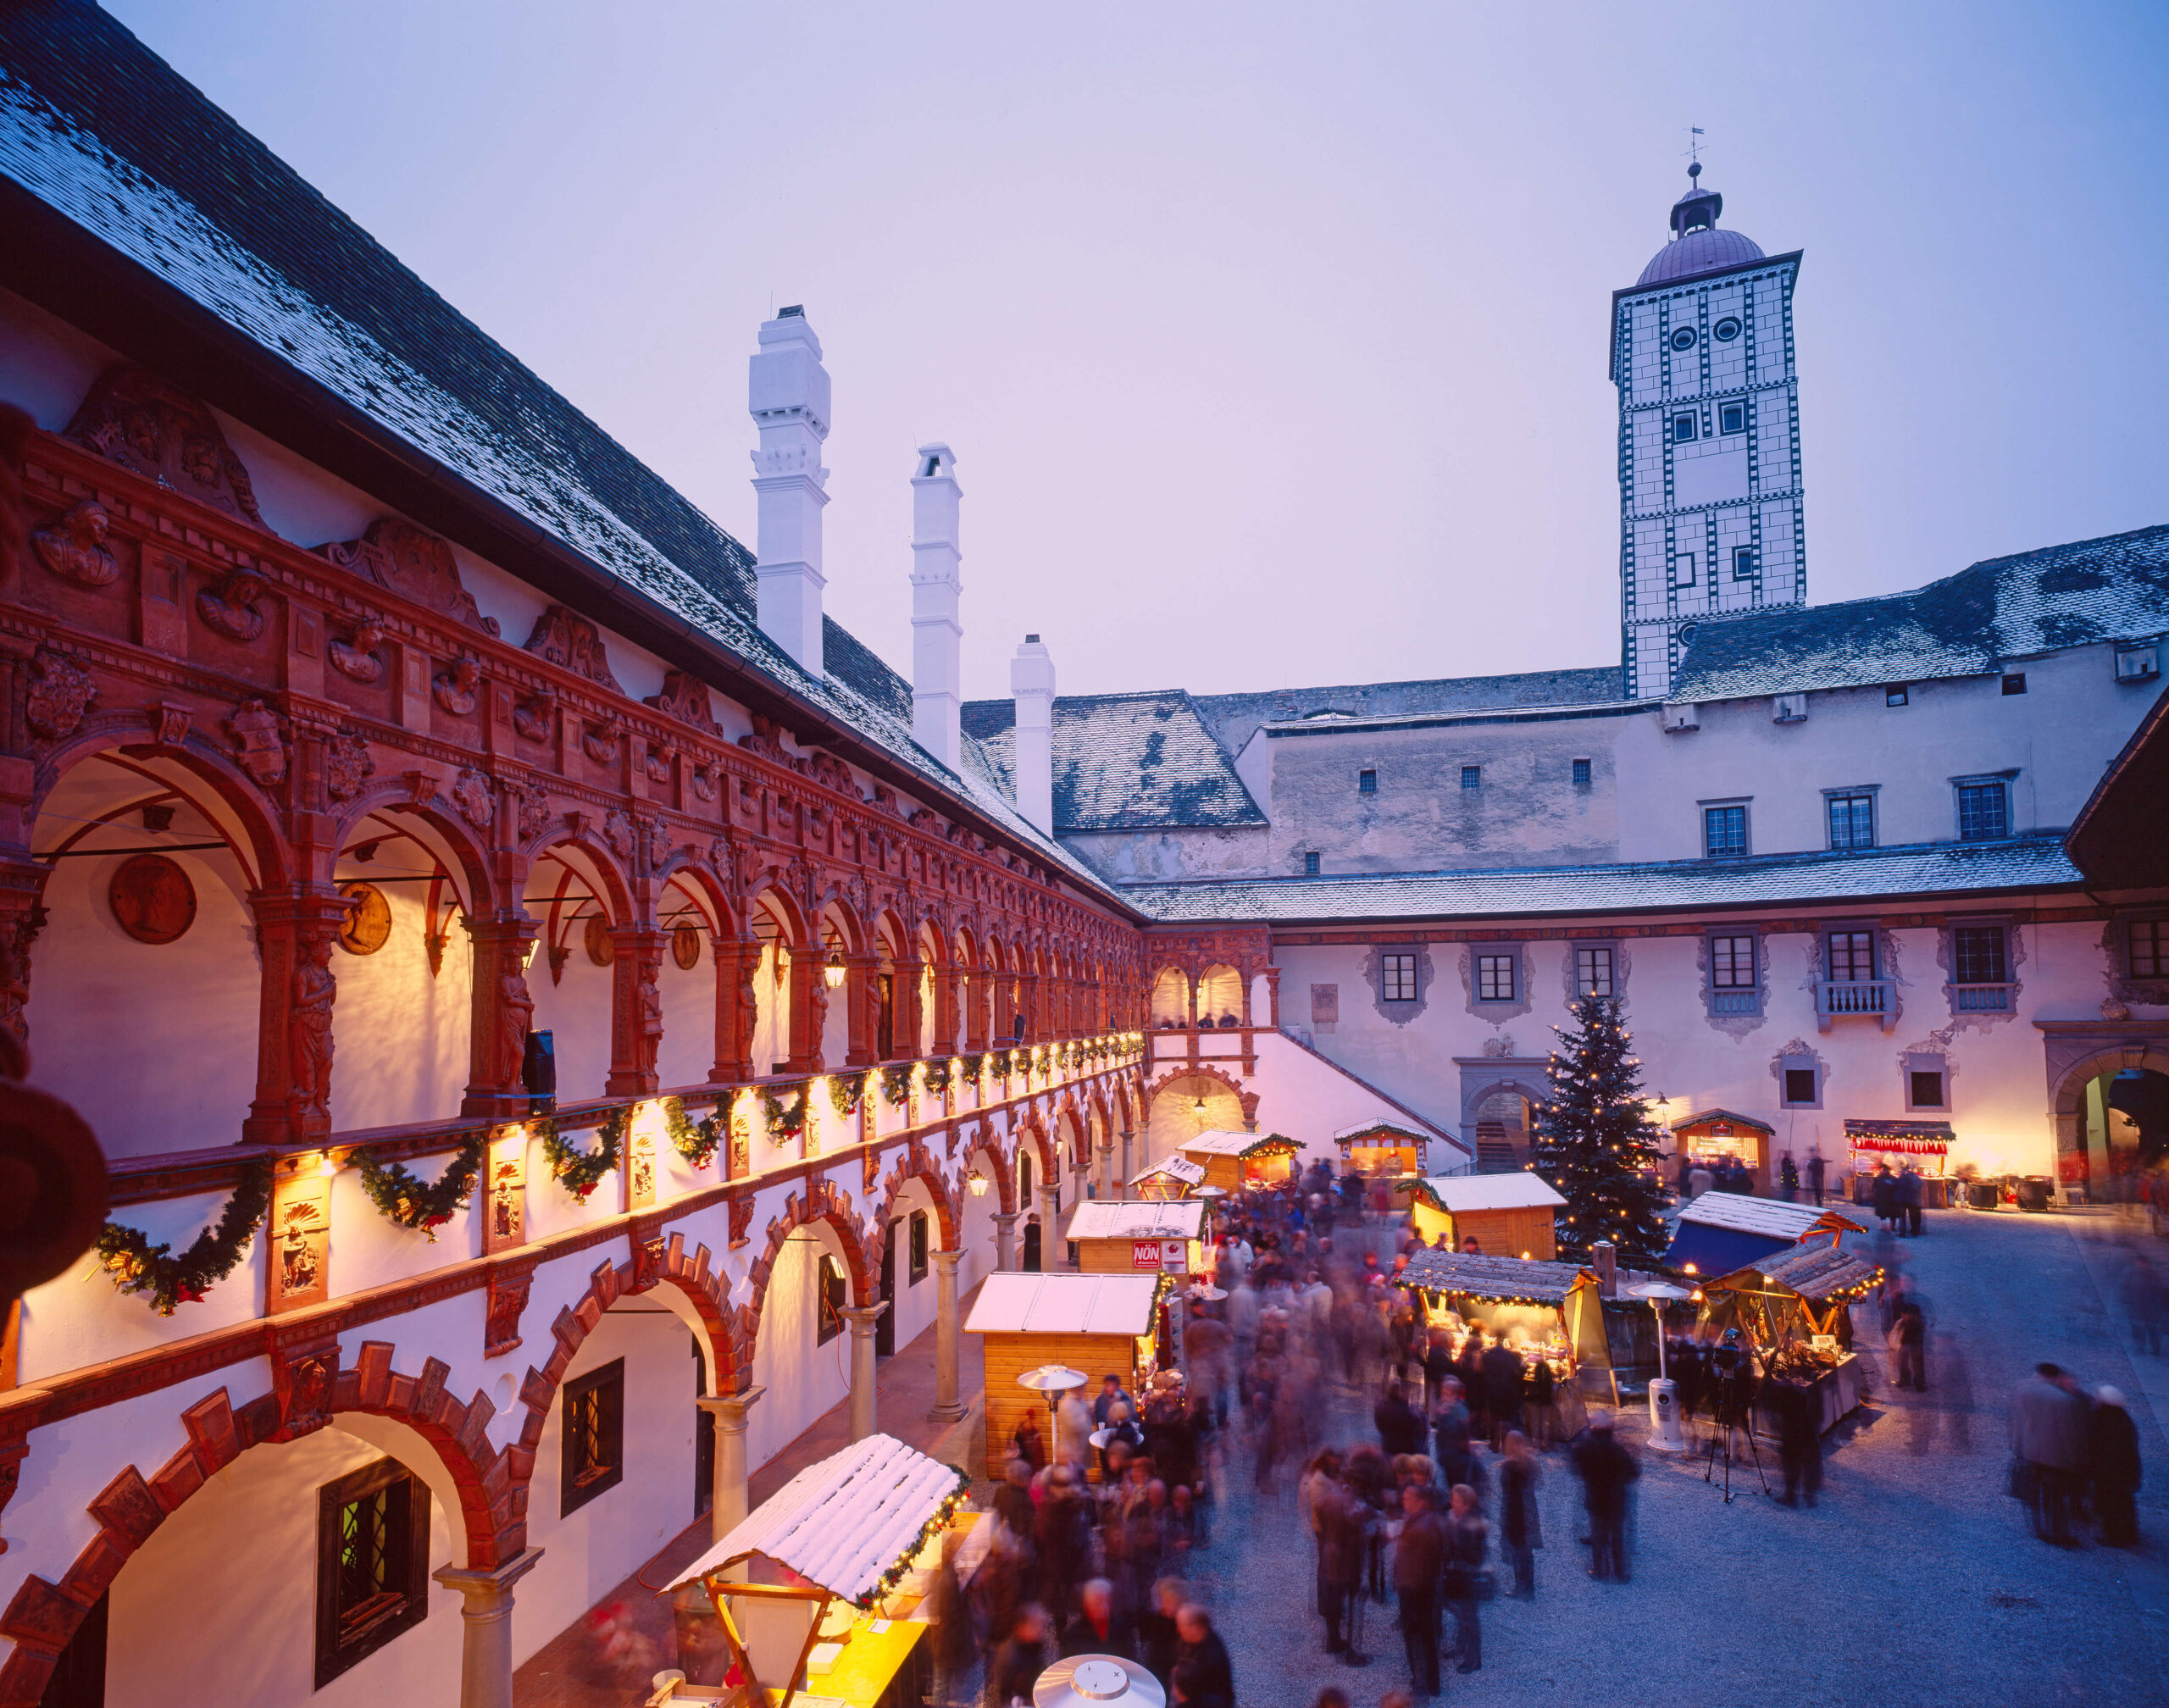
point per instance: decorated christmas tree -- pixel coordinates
(1593, 1140)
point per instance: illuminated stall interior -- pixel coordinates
(1100, 1324)
(1373, 1148)
(1551, 1313)
(1506, 1215)
(1232, 1161)
(1716, 1135)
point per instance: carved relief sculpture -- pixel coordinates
(515, 1016)
(657, 763)
(475, 797)
(61, 693)
(305, 1382)
(346, 765)
(19, 930)
(639, 1169)
(358, 660)
(741, 1221)
(413, 563)
(508, 1290)
(235, 609)
(459, 690)
(534, 811)
(740, 1161)
(648, 968)
(504, 1224)
(704, 782)
(309, 1027)
(685, 697)
(599, 741)
(570, 640)
(618, 832)
(75, 549)
(531, 717)
(301, 1231)
(133, 418)
(257, 729)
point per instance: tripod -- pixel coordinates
(1733, 1412)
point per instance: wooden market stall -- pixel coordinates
(1381, 1147)
(1508, 1215)
(1720, 1231)
(1232, 1161)
(1140, 1236)
(1795, 1308)
(1098, 1325)
(1548, 1313)
(1717, 1134)
(1924, 1145)
(815, 1589)
(1171, 1177)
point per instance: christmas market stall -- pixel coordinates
(1795, 1309)
(1098, 1325)
(1720, 1231)
(816, 1588)
(1381, 1148)
(1506, 1215)
(1719, 1135)
(1171, 1177)
(1140, 1236)
(1549, 1313)
(1232, 1161)
(1922, 1145)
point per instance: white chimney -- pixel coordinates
(787, 391)
(1031, 679)
(937, 631)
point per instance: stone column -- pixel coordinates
(1272, 997)
(22, 916)
(1128, 1162)
(730, 1504)
(1005, 1241)
(947, 1339)
(862, 1319)
(1107, 1167)
(737, 961)
(861, 981)
(1053, 1251)
(485, 1635)
(636, 1010)
(809, 1009)
(502, 1012)
(910, 1022)
(975, 986)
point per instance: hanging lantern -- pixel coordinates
(979, 1186)
(832, 970)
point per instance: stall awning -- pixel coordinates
(1012, 1303)
(1910, 1137)
(1713, 1119)
(1457, 1195)
(1478, 1277)
(1699, 1249)
(1817, 1272)
(845, 1523)
(1141, 1219)
(1215, 1142)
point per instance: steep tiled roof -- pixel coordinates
(1677, 885)
(1233, 717)
(1125, 761)
(98, 127)
(1966, 624)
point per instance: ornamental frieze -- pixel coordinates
(569, 640)
(413, 563)
(133, 418)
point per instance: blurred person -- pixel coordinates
(1910, 1193)
(1111, 1393)
(1064, 1539)
(1815, 1168)
(1201, 1650)
(1788, 1177)
(1399, 1427)
(1029, 1444)
(1419, 1565)
(1799, 1438)
(1468, 1556)
(1343, 1518)
(1101, 1626)
(2049, 1431)
(1608, 1470)
(2146, 1305)
(1449, 1433)
(1073, 1432)
(617, 1652)
(1909, 1330)
(1521, 1524)
(2113, 1469)
(1020, 1659)
(1955, 1381)
(1012, 1500)
(1538, 1401)
(1502, 1390)
(1158, 1641)
(952, 1647)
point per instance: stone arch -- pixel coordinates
(616, 886)
(491, 1519)
(474, 876)
(689, 868)
(823, 1200)
(2068, 1093)
(1003, 1166)
(1029, 1126)
(1206, 1070)
(1479, 1088)
(915, 1163)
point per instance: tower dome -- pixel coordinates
(1697, 245)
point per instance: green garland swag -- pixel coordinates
(405, 1202)
(138, 1266)
(896, 1083)
(786, 1120)
(579, 1172)
(937, 1078)
(975, 1067)
(847, 1091)
(696, 1141)
(1000, 1063)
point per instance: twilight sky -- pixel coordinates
(1271, 338)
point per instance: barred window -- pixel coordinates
(1927, 1088)
(1800, 1085)
(594, 1451)
(919, 1247)
(1397, 977)
(2150, 948)
(1852, 821)
(1724, 831)
(372, 1564)
(1983, 811)
(1732, 963)
(1979, 956)
(1494, 978)
(1366, 782)
(1592, 972)
(1472, 776)
(1581, 773)
(829, 1306)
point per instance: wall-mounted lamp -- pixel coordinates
(1198, 1107)
(832, 970)
(979, 1184)
(329, 1166)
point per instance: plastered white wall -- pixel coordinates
(803, 1380)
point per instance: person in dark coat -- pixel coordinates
(1799, 1438)
(1521, 1526)
(1158, 1641)
(1909, 1334)
(1606, 1470)
(1468, 1550)
(1101, 1626)
(1470, 1369)
(1419, 1565)
(1022, 1656)
(1816, 1167)
(1439, 1365)
(1343, 1519)
(1449, 1434)
(1399, 1425)
(1502, 1390)
(1910, 1194)
(1203, 1651)
(1883, 1194)
(2112, 1456)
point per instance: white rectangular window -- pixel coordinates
(1852, 957)
(1852, 820)
(1983, 811)
(2150, 948)
(1682, 569)
(1732, 963)
(1592, 972)
(1397, 977)
(1494, 978)
(1724, 831)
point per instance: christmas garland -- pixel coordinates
(694, 1141)
(786, 1120)
(138, 1266)
(847, 1091)
(933, 1527)
(999, 1064)
(975, 1067)
(896, 1083)
(403, 1201)
(579, 1172)
(937, 1078)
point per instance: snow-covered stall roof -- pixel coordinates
(1765, 1216)
(1179, 1169)
(1064, 1305)
(1459, 1194)
(842, 1524)
(1149, 1218)
(1214, 1142)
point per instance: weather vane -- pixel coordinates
(1694, 146)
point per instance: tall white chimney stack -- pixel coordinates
(937, 631)
(1031, 679)
(787, 392)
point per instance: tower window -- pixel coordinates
(1732, 418)
(1894, 694)
(1310, 864)
(1366, 782)
(1684, 338)
(2015, 683)
(1581, 773)
(1726, 329)
(1472, 776)
(1724, 831)
(1743, 563)
(1683, 429)
(1682, 570)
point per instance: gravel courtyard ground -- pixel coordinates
(1915, 1580)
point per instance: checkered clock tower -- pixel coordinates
(1709, 439)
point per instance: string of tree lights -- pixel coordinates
(1593, 1138)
